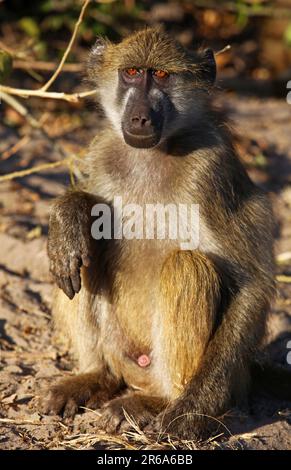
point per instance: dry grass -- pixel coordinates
(130, 440)
(133, 439)
(137, 439)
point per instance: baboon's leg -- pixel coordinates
(95, 384)
(189, 300)
(212, 370)
(76, 325)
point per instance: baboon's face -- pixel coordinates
(150, 88)
(152, 105)
(143, 96)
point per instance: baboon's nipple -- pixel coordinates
(143, 360)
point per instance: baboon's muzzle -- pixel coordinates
(142, 125)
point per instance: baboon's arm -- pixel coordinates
(70, 243)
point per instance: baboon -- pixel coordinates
(166, 334)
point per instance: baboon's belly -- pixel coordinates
(128, 341)
(129, 325)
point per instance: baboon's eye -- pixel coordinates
(133, 72)
(161, 74)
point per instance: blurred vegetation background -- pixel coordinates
(35, 35)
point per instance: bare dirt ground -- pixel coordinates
(30, 359)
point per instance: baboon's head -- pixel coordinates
(150, 86)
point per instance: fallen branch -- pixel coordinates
(20, 422)
(28, 355)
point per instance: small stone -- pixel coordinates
(13, 369)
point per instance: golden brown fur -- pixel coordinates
(199, 315)
(189, 296)
(150, 48)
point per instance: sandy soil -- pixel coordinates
(29, 356)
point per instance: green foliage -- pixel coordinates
(29, 26)
(40, 49)
(242, 13)
(287, 35)
(46, 6)
(5, 65)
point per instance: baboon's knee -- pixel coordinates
(189, 278)
(189, 300)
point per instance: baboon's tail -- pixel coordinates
(272, 379)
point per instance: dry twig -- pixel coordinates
(284, 279)
(68, 50)
(71, 97)
(226, 48)
(9, 152)
(67, 159)
(43, 66)
(36, 169)
(20, 422)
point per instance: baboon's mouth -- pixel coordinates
(141, 140)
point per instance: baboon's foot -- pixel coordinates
(119, 414)
(89, 390)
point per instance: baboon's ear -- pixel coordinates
(99, 47)
(207, 70)
(95, 58)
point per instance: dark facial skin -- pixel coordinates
(144, 116)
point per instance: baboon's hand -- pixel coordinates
(70, 242)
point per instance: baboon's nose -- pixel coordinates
(140, 121)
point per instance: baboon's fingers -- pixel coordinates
(59, 403)
(53, 403)
(86, 260)
(67, 287)
(76, 282)
(70, 409)
(142, 422)
(75, 265)
(110, 421)
(154, 426)
(54, 272)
